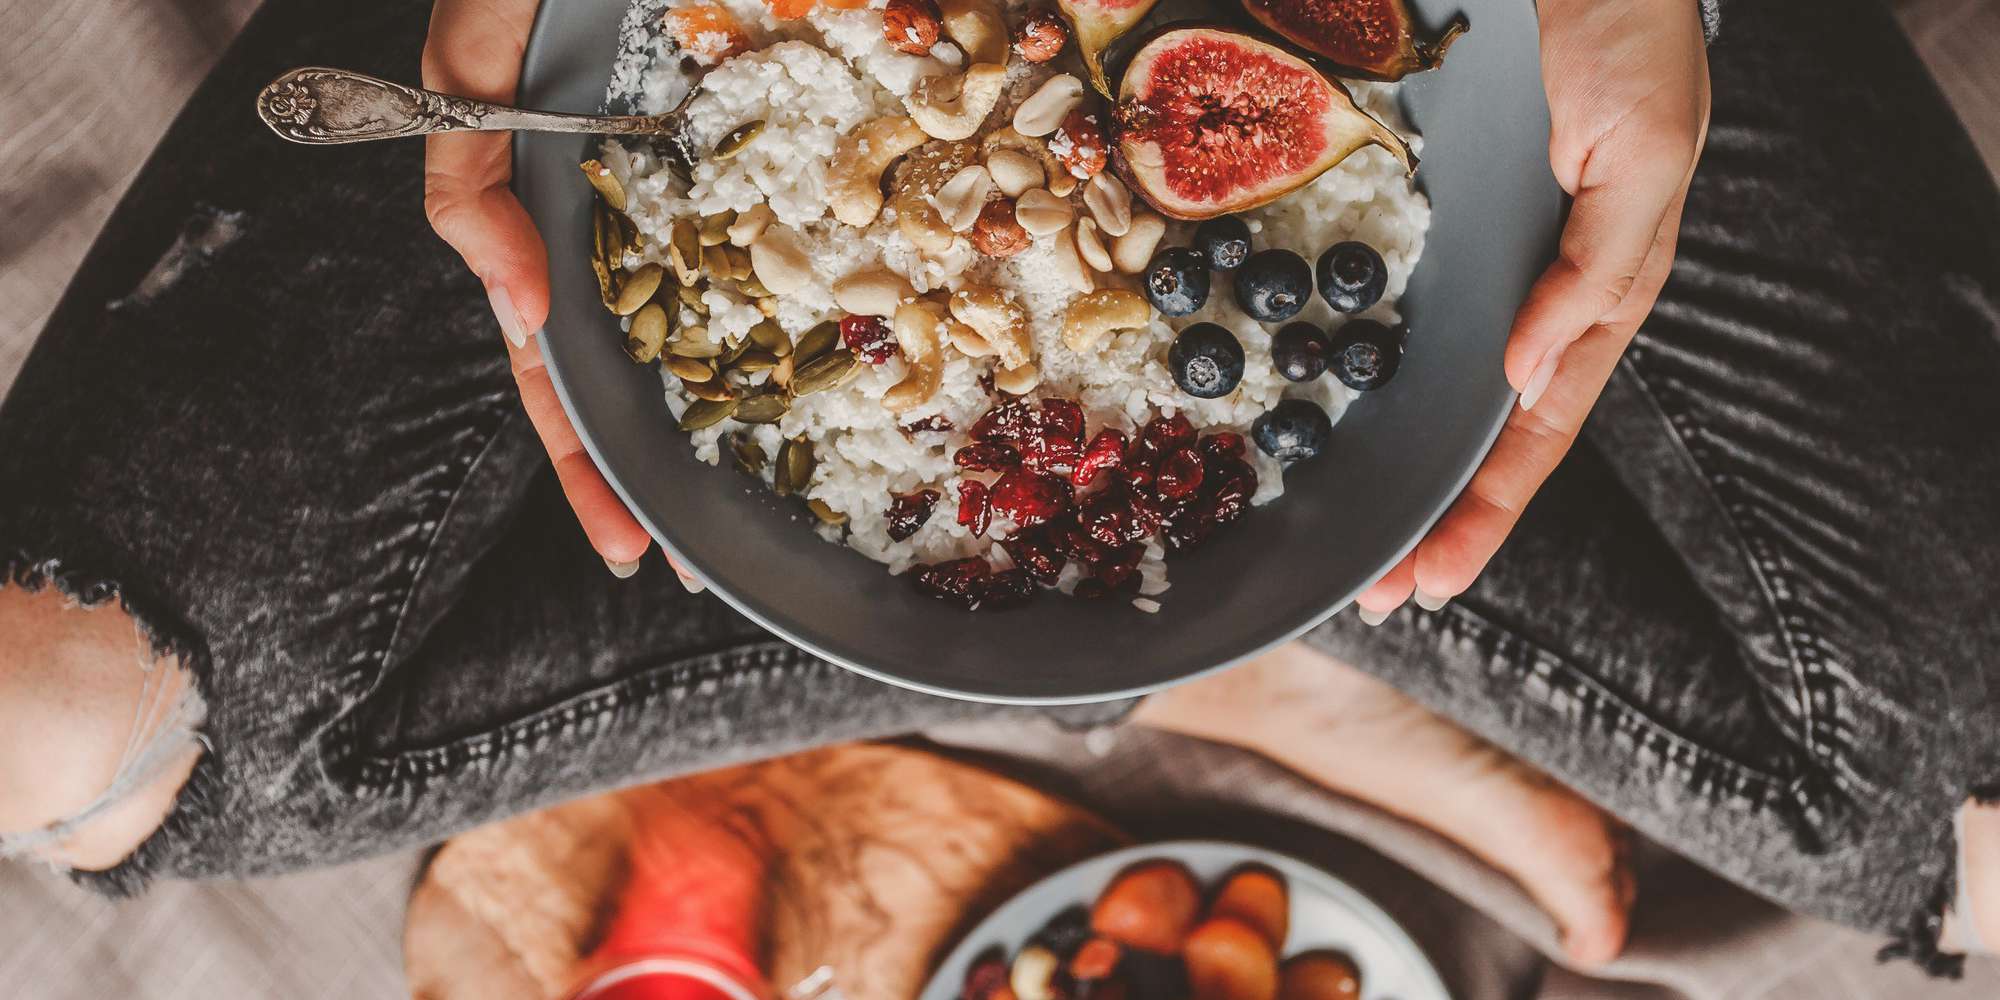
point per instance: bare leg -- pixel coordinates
(1357, 736)
(1972, 921)
(76, 687)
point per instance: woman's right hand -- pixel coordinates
(474, 50)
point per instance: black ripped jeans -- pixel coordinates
(1753, 614)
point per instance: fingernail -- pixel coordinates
(1370, 618)
(622, 570)
(1538, 383)
(693, 585)
(511, 326)
(1430, 602)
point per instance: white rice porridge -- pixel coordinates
(815, 79)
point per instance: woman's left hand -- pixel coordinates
(1627, 82)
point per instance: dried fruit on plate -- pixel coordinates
(1257, 897)
(1319, 975)
(790, 10)
(1212, 121)
(708, 32)
(1372, 38)
(1098, 23)
(1150, 906)
(1229, 960)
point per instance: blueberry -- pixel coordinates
(1065, 932)
(1366, 354)
(1299, 351)
(1206, 360)
(1292, 431)
(1225, 241)
(1176, 281)
(1351, 276)
(1274, 285)
(1154, 977)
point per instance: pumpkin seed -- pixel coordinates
(823, 372)
(714, 229)
(683, 347)
(827, 515)
(769, 335)
(605, 182)
(738, 137)
(739, 263)
(630, 239)
(781, 376)
(690, 369)
(707, 413)
(749, 454)
(714, 390)
(684, 251)
(603, 260)
(753, 360)
(762, 409)
(817, 341)
(648, 334)
(795, 467)
(638, 289)
(750, 286)
(690, 296)
(734, 351)
(767, 306)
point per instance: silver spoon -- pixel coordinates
(323, 107)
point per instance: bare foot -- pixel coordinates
(1356, 735)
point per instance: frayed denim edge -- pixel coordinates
(198, 801)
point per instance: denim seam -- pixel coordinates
(752, 663)
(1819, 723)
(1681, 750)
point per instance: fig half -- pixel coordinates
(1212, 121)
(1376, 39)
(1098, 23)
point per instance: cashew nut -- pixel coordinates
(1015, 173)
(967, 340)
(1059, 180)
(779, 263)
(854, 176)
(750, 225)
(953, 107)
(916, 183)
(1069, 265)
(977, 28)
(1042, 213)
(1131, 252)
(1046, 108)
(1092, 316)
(997, 318)
(1090, 246)
(916, 326)
(872, 293)
(1109, 203)
(1019, 380)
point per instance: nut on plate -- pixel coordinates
(918, 327)
(1044, 110)
(1092, 316)
(977, 27)
(854, 176)
(1080, 144)
(953, 107)
(996, 233)
(1041, 36)
(997, 318)
(911, 26)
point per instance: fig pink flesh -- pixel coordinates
(1242, 120)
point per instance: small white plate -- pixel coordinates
(1327, 914)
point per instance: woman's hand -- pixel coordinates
(1628, 102)
(474, 50)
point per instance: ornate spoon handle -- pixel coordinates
(321, 106)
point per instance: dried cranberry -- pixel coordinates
(1169, 433)
(1063, 418)
(1184, 527)
(868, 337)
(1109, 518)
(972, 509)
(1034, 550)
(1230, 499)
(1008, 589)
(1073, 540)
(1090, 588)
(987, 456)
(1223, 445)
(1180, 475)
(1120, 571)
(934, 422)
(985, 977)
(1140, 461)
(1056, 456)
(908, 511)
(961, 581)
(1011, 420)
(1030, 498)
(1106, 451)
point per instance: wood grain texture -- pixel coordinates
(883, 855)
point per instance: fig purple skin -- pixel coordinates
(1098, 23)
(1212, 121)
(1376, 39)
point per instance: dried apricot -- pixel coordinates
(1257, 897)
(1230, 960)
(1097, 959)
(790, 10)
(1150, 906)
(1319, 975)
(706, 31)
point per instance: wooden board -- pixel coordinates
(883, 855)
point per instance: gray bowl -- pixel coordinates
(1397, 459)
